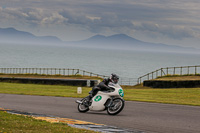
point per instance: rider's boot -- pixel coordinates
(89, 99)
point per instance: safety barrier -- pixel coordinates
(62, 72)
(183, 70)
(48, 81)
(49, 71)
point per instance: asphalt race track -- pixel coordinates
(147, 117)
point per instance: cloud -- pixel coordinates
(21, 15)
(175, 32)
(54, 18)
(169, 18)
(30, 16)
(95, 23)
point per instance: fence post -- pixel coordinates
(195, 70)
(181, 71)
(167, 70)
(174, 70)
(188, 70)
(161, 71)
(156, 73)
(46, 71)
(77, 72)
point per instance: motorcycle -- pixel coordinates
(111, 100)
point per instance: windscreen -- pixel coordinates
(114, 85)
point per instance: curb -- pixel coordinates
(73, 123)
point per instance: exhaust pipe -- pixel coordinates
(78, 101)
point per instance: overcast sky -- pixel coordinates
(175, 22)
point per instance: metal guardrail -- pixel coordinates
(49, 71)
(64, 72)
(183, 70)
(127, 81)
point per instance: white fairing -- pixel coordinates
(100, 98)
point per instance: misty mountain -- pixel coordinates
(122, 41)
(118, 41)
(11, 35)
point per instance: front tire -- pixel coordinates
(116, 107)
(82, 106)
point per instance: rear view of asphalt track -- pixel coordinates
(147, 117)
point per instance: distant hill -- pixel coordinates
(122, 41)
(11, 35)
(118, 41)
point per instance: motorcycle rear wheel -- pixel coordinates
(82, 106)
(117, 107)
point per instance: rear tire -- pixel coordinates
(82, 106)
(118, 105)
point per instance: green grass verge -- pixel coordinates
(185, 96)
(189, 96)
(10, 123)
(43, 90)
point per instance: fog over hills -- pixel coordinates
(122, 41)
(118, 41)
(11, 35)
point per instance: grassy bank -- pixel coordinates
(186, 96)
(10, 123)
(42, 90)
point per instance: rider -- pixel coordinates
(103, 86)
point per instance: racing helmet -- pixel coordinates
(114, 78)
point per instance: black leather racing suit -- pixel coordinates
(102, 86)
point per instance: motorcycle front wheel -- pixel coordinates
(82, 107)
(116, 107)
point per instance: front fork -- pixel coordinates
(85, 101)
